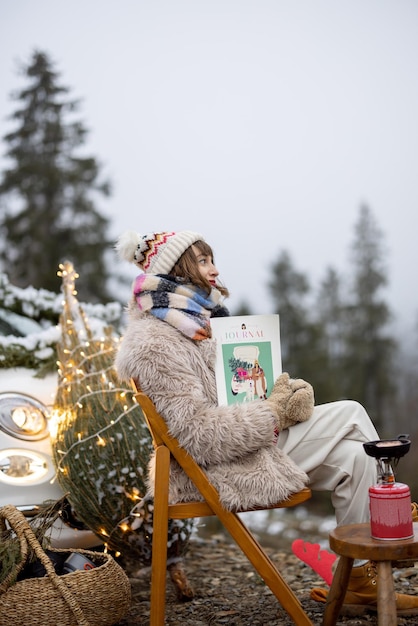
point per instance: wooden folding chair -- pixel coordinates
(166, 445)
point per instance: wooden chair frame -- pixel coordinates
(165, 446)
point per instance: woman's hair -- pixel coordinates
(187, 268)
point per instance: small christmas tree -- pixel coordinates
(101, 443)
(239, 368)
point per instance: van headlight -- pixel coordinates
(19, 465)
(23, 417)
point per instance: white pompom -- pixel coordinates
(127, 244)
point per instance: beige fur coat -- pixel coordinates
(234, 444)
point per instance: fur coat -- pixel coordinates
(234, 444)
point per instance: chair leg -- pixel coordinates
(337, 591)
(159, 538)
(265, 567)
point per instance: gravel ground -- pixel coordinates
(229, 591)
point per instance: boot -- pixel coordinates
(362, 592)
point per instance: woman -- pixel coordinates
(167, 348)
(259, 379)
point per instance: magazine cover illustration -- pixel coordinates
(248, 358)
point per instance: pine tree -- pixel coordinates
(242, 309)
(300, 335)
(288, 289)
(29, 328)
(329, 312)
(48, 192)
(369, 349)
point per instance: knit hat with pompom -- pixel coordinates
(155, 253)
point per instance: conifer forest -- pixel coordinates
(340, 334)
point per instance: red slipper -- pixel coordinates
(321, 561)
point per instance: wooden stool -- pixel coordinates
(354, 542)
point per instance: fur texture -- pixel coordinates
(293, 400)
(233, 444)
(127, 244)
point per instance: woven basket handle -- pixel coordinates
(27, 538)
(24, 551)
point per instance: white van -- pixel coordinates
(27, 473)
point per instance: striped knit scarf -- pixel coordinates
(184, 306)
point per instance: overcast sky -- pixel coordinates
(263, 124)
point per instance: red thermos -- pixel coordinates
(390, 511)
(390, 501)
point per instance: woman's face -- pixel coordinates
(206, 267)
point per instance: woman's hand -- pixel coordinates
(292, 400)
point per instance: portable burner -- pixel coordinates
(390, 501)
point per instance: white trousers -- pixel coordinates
(328, 447)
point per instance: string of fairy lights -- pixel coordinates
(100, 440)
(101, 443)
(72, 371)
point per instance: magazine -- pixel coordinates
(248, 356)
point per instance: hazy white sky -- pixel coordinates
(263, 124)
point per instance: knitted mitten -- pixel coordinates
(292, 400)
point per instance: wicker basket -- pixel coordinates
(97, 597)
